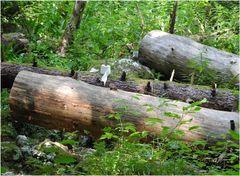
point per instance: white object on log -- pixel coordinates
(93, 70)
(172, 75)
(105, 70)
(64, 103)
(164, 52)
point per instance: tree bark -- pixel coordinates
(224, 100)
(173, 18)
(164, 52)
(66, 104)
(10, 71)
(73, 24)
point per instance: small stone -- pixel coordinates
(128, 65)
(22, 140)
(8, 173)
(86, 141)
(26, 151)
(50, 157)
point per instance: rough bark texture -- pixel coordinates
(72, 26)
(224, 100)
(66, 104)
(164, 52)
(10, 71)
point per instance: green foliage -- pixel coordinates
(36, 167)
(5, 111)
(167, 154)
(3, 169)
(10, 152)
(106, 28)
(7, 129)
(203, 75)
(64, 159)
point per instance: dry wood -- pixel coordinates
(67, 104)
(164, 52)
(224, 100)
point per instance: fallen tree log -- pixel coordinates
(164, 52)
(224, 100)
(10, 71)
(67, 104)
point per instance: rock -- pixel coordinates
(86, 141)
(83, 152)
(50, 157)
(22, 140)
(15, 40)
(8, 173)
(38, 154)
(135, 55)
(130, 66)
(26, 151)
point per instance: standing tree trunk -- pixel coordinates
(73, 24)
(173, 18)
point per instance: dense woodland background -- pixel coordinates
(106, 27)
(109, 31)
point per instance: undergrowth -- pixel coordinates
(122, 151)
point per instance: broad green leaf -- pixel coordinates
(193, 127)
(173, 115)
(153, 121)
(130, 128)
(108, 135)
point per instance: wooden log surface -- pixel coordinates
(224, 100)
(164, 52)
(10, 71)
(64, 103)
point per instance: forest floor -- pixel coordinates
(30, 149)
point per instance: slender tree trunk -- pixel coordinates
(173, 18)
(73, 24)
(141, 18)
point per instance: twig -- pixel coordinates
(141, 18)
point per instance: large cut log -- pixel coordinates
(67, 104)
(164, 52)
(224, 100)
